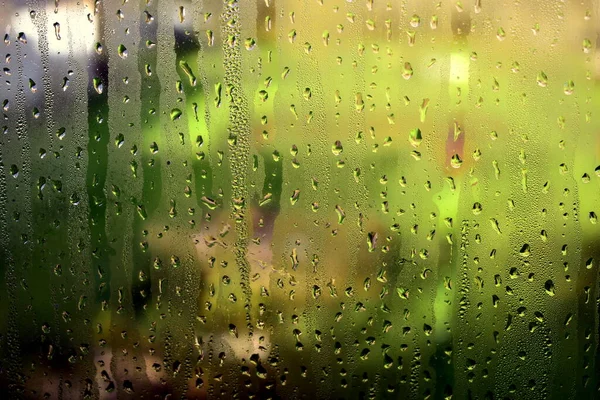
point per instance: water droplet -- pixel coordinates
(549, 288)
(175, 114)
(98, 87)
(569, 88)
(407, 71)
(250, 44)
(455, 161)
(122, 51)
(542, 79)
(501, 34)
(188, 72)
(587, 46)
(415, 138)
(337, 148)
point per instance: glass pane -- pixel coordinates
(300, 199)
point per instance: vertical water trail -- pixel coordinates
(239, 138)
(150, 163)
(97, 151)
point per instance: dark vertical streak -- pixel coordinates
(97, 150)
(50, 229)
(273, 182)
(187, 48)
(18, 252)
(151, 168)
(588, 327)
(10, 340)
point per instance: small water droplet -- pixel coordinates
(57, 30)
(122, 51)
(250, 44)
(97, 83)
(407, 71)
(587, 46)
(21, 37)
(542, 79)
(175, 114)
(501, 34)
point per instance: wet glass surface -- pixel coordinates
(300, 199)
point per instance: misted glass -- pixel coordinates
(300, 199)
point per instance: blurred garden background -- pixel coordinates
(300, 199)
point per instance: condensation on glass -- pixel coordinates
(300, 198)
